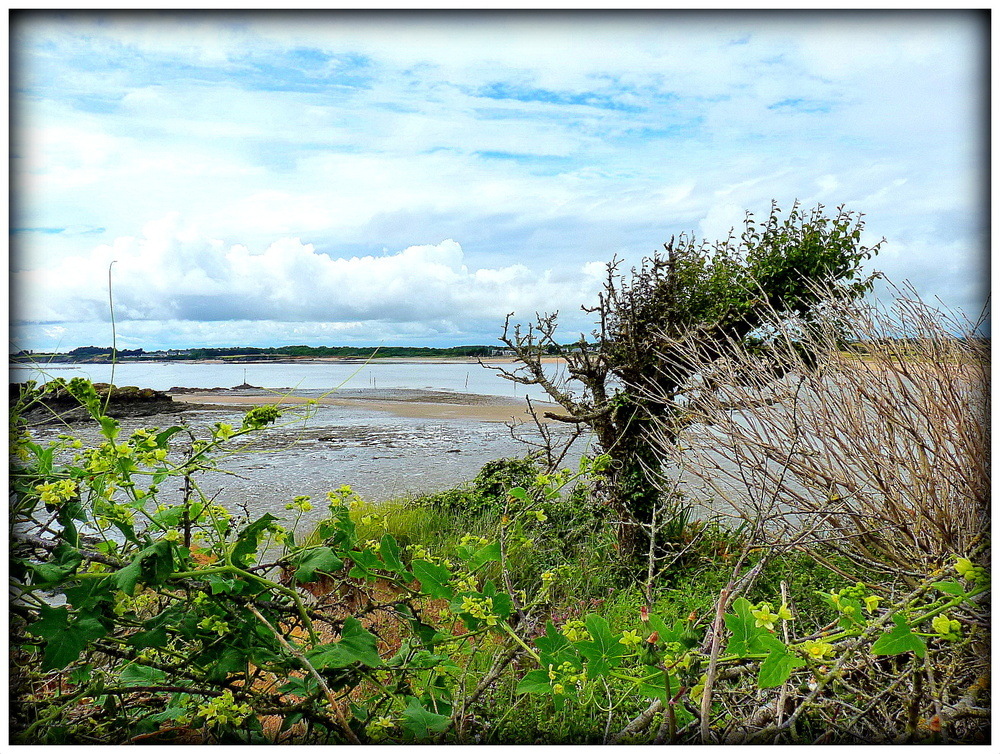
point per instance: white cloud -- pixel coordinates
(170, 272)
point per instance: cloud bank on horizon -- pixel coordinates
(350, 178)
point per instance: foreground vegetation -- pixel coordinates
(499, 612)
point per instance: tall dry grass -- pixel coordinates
(879, 447)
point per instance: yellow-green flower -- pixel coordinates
(817, 649)
(871, 603)
(946, 627)
(784, 613)
(964, 566)
(968, 570)
(765, 618)
(630, 639)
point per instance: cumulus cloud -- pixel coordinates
(171, 272)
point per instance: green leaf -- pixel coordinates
(65, 638)
(230, 660)
(158, 562)
(141, 675)
(126, 578)
(747, 637)
(355, 645)
(655, 686)
(109, 427)
(248, 540)
(49, 573)
(603, 652)
(950, 587)
(420, 723)
(778, 665)
(156, 637)
(219, 585)
(518, 493)
(366, 564)
(535, 682)
(488, 554)
(433, 578)
(162, 437)
(322, 559)
(555, 649)
(900, 639)
(389, 550)
(169, 517)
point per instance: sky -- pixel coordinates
(329, 178)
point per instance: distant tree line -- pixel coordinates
(358, 352)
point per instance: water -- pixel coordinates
(465, 377)
(312, 450)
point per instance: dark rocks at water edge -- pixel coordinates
(244, 386)
(57, 405)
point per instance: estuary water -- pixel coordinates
(313, 449)
(465, 376)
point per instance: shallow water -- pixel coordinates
(467, 377)
(313, 450)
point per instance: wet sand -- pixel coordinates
(414, 404)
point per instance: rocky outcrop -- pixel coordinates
(56, 405)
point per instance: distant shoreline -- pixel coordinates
(296, 360)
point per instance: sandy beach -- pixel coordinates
(416, 404)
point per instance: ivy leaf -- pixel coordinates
(420, 723)
(655, 686)
(433, 579)
(535, 682)
(355, 645)
(747, 637)
(603, 652)
(778, 665)
(141, 675)
(950, 587)
(900, 639)
(487, 554)
(389, 549)
(321, 559)
(248, 540)
(65, 638)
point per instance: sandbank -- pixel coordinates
(418, 405)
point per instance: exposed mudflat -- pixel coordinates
(412, 403)
(383, 443)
